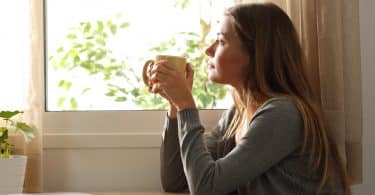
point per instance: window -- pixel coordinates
(96, 51)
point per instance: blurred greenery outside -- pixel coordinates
(88, 52)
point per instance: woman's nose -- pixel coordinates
(210, 50)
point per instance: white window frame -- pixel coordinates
(110, 129)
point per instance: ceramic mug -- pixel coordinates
(178, 61)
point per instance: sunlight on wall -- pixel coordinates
(14, 53)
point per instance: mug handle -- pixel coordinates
(144, 73)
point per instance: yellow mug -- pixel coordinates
(178, 61)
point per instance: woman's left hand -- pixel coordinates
(173, 84)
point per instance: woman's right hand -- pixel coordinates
(176, 86)
(172, 111)
(154, 86)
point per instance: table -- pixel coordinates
(137, 193)
(105, 193)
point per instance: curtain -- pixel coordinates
(33, 111)
(35, 99)
(329, 32)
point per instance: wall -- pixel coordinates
(367, 30)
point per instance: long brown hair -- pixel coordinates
(277, 69)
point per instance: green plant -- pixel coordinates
(87, 51)
(10, 122)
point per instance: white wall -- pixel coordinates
(367, 30)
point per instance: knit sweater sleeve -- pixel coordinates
(172, 173)
(274, 132)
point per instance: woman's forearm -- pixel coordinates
(172, 175)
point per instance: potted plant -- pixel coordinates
(12, 167)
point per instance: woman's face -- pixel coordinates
(229, 61)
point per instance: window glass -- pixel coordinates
(95, 51)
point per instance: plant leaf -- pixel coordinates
(124, 25)
(26, 130)
(113, 29)
(121, 99)
(87, 27)
(71, 36)
(4, 135)
(9, 114)
(73, 103)
(100, 26)
(60, 101)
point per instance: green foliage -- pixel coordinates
(182, 4)
(88, 52)
(8, 123)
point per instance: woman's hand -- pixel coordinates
(173, 85)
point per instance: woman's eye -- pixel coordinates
(220, 41)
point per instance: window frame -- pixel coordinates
(107, 128)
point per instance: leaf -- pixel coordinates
(113, 29)
(60, 101)
(61, 83)
(100, 41)
(60, 49)
(71, 36)
(87, 27)
(73, 103)
(6, 153)
(77, 59)
(25, 127)
(123, 90)
(85, 90)
(135, 92)
(181, 4)
(63, 63)
(65, 84)
(100, 55)
(121, 99)
(9, 114)
(4, 135)
(111, 93)
(68, 85)
(100, 26)
(124, 25)
(77, 45)
(91, 54)
(90, 45)
(26, 130)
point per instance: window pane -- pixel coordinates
(96, 50)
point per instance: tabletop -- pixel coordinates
(105, 193)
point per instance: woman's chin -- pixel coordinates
(213, 78)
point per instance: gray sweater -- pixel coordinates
(266, 161)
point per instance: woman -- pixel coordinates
(273, 140)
